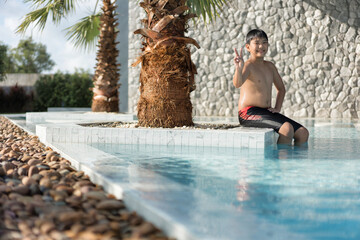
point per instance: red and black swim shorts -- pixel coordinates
(263, 118)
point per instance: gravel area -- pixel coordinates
(210, 126)
(43, 197)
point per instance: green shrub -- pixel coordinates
(63, 90)
(3, 101)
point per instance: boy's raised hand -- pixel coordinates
(238, 60)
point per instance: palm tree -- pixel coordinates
(167, 74)
(106, 73)
(84, 34)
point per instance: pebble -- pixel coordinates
(145, 229)
(23, 190)
(25, 158)
(47, 227)
(43, 197)
(109, 205)
(34, 161)
(45, 182)
(33, 170)
(70, 216)
(96, 195)
(8, 166)
(23, 170)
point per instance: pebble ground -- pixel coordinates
(42, 197)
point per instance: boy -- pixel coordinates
(255, 77)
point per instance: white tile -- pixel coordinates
(87, 135)
(177, 138)
(101, 135)
(55, 132)
(112, 133)
(260, 136)
(245, 141)
(192, 138)
(115, 137)
(222, 138)
(108, 135)
(185, 138)
(81, 137)
(75, 134)
(142, 135)
(125, 136)
(207, 139)
(199, 138)
(156, 137)
(163, 137)
(94, 135)
(252, 142)
(121, 135)
(239, 138)
(214, 139)
(134, 136)
(236, 140)
(62, 135)
(150, 137)
(230, 139)
(170, 138)
(260, 144)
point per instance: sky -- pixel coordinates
(66, 57)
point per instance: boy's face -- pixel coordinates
(258, 47)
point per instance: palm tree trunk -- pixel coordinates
(167, 72)
(105, 98)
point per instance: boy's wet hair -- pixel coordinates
(255, 33)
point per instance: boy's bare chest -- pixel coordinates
(262, 77)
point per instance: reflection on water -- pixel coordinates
(313, 189)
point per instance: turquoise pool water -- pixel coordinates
(309, 192)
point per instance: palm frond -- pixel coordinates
(207, 9)
(67, 5)
(85, 32)
(57, 9)
(39, 17)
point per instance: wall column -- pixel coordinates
(122, 11)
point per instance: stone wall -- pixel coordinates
(21, 79)
(25, 80)
(315, 45)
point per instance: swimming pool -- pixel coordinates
(308, 192)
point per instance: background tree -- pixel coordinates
(63, 90)
(3, 60)
(85, 33)
(29, 57)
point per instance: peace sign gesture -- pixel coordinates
(238, 59)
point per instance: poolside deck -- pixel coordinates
(64, 127)
(62, 132)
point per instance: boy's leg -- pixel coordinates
(301, 135)
(286, 134)
(287, 128)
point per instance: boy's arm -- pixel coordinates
(241, 69)
(280, 87)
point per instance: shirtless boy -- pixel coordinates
(255, 77)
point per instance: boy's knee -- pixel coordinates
(302, 134)
(287, 130)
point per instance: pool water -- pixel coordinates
(307, 192)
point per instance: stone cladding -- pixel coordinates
(314, 44)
